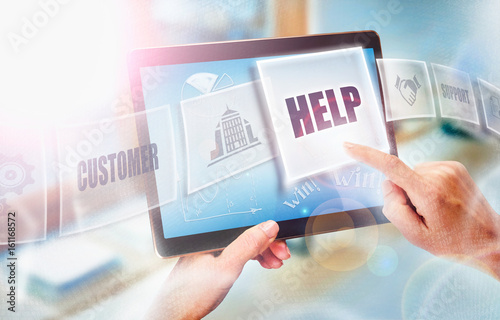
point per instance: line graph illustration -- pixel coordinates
(222, 199)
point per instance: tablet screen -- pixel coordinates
(228, 170)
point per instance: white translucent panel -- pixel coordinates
(407, 89)
(106, 167)
(490, 95)
(160, 131)
(455, 94)
(23, 188)
(225, 134)
(322, 99)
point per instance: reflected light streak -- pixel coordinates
(68, 69)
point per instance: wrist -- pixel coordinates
(490, 262)
(490, 256)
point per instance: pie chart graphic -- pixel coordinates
(203, 83)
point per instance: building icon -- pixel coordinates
(233, 134)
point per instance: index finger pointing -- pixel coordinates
(394, 169)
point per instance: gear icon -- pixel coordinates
(15, 174)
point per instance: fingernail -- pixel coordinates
(387, 187)
(270, 228)
(348, 145)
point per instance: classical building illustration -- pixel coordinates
(233, 134)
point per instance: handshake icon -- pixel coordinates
(408, 89)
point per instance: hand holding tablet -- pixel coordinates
(207, 277)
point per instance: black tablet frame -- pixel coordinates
(212, 241)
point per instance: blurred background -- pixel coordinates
(64, 64)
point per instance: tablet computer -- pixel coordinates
(212, 114)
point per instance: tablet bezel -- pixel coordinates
(230, 50)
